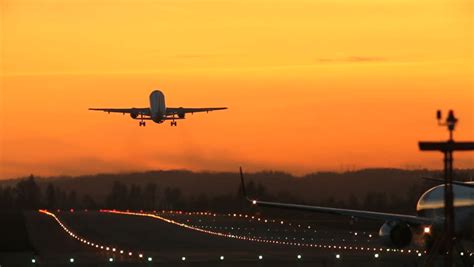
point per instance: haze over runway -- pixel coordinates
(311, 86)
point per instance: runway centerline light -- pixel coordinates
(298, 257)
(254, 202)
(111, 259)
(71, 260)
(183, 258)
(338, 256)
(221, 258)
(376, 255)
(260, 257)
(150, 258)
(33, 261)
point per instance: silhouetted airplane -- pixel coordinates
(400, 230)
(157, 112)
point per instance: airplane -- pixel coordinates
(400, 230)
(157, 112)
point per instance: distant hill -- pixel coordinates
(311, 188)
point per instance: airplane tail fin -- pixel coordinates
(242, 184)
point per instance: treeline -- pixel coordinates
(374, 188)
(27, 194)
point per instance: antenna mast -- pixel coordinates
(448, 238)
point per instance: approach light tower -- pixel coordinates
(448, 238)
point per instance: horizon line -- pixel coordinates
(221, 171)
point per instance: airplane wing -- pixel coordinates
(172, 111)
(144, 111)
(466, 184)
(371, 215)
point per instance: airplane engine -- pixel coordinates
(396, 234)
(134, 115)
(181, 114)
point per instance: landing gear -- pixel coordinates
(142, 122)
(174, 123)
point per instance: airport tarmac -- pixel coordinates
(93, 238)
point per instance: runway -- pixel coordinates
(201, 238)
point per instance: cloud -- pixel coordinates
(198, 56)
(366, 59)
(71, 166)
(352, 59)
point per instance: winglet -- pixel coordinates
(244, 192)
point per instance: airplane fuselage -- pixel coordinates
(431, 204)
(157, 106)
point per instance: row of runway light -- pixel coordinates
(96, 245)
(249, 230)
(263, 240)
(234, 216)
(115, 250)
(271, 237)
(251, 218)
(282, 222)
(194, 227)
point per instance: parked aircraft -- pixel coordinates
(400, 230)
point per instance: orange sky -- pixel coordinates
(310, 85)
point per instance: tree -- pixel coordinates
(118, 196)
(51, 201)
(72, 199)
(88, 202)
(150, 196)
(250, 188)
(135, 197)
(173, 198)
(61, 198)
(9, 197)
(261, 191)
(353, 202)
(28, 194)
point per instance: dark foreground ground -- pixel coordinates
(163, 243)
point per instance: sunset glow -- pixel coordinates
(310, 85)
